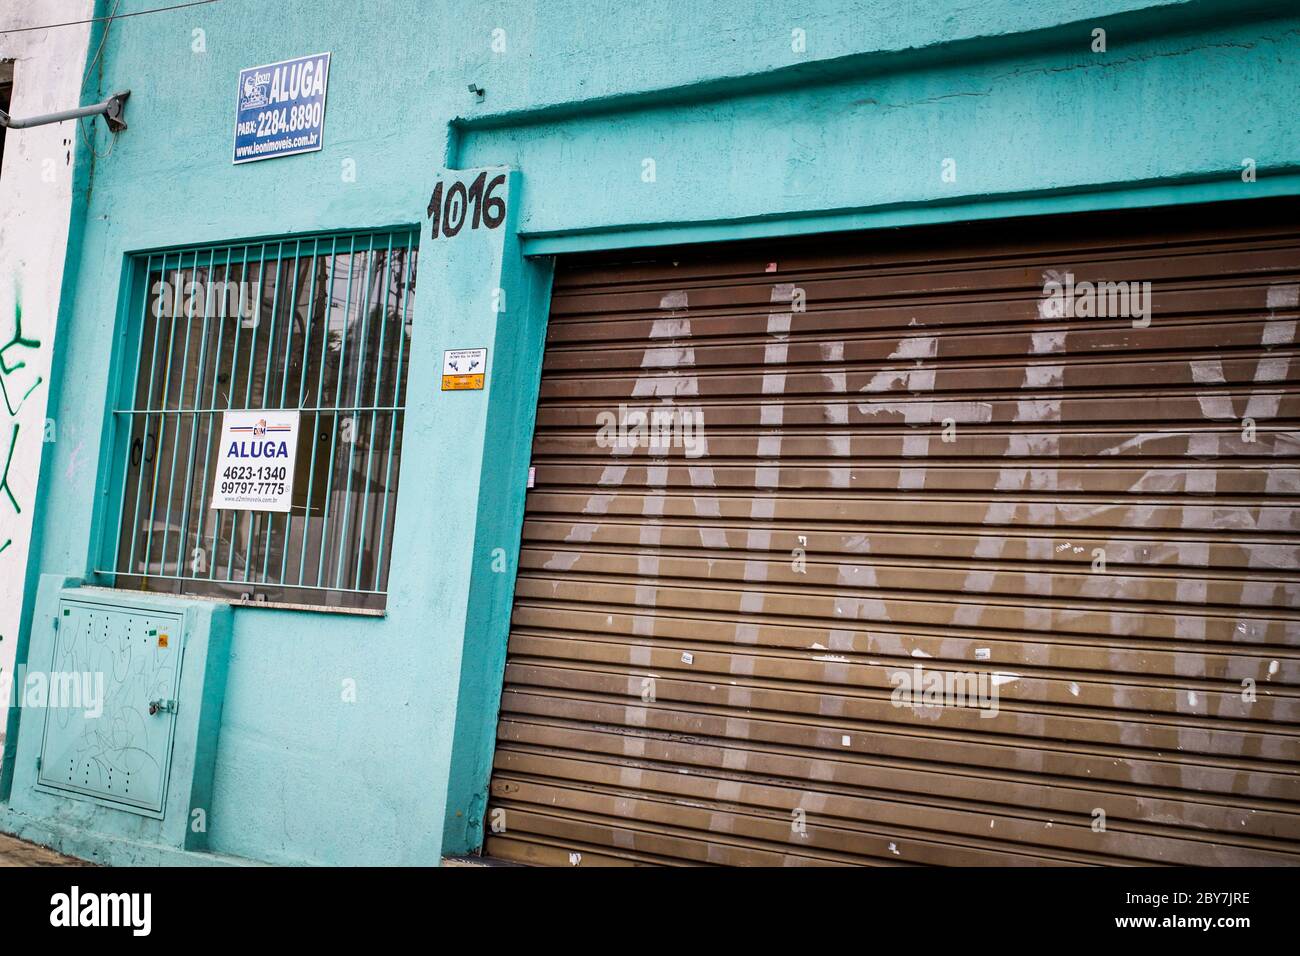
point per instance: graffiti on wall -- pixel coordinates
(18, 381)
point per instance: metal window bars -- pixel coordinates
(321, 324)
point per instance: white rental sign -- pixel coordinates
(256, 452)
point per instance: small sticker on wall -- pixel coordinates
(463, 369)
(162, 639)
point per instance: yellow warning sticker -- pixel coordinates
(162, 640)
(451, 383)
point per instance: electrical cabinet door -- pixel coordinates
(110, 699)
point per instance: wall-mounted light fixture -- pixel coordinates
(111, 109)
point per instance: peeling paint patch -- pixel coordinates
(1284, 296)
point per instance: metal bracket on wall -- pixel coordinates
(111, 109)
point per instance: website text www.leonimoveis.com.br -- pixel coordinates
(289, 142)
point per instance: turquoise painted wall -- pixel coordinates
(749, 137)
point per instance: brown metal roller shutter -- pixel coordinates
(653, 573)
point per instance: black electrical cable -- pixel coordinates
(119, 16)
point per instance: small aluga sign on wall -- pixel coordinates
(280, 108)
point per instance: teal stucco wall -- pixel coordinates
(748, 135)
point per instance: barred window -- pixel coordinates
(317, 329)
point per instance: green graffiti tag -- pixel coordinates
(9, 386)
(6, 369)
(4, 483)
(4, 480)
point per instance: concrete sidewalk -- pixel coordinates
(15, 852)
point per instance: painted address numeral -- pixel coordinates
(451, 205)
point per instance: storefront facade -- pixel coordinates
(734, 214)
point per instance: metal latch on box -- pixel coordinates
(162, 706)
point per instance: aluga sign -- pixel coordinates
(255, 465)
(281, 108)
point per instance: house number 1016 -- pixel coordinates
(452, 205)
